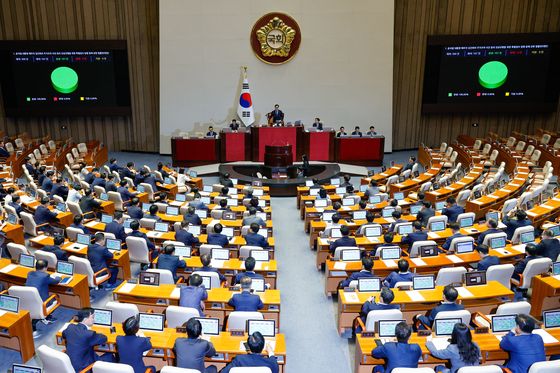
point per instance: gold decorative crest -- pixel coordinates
(276, 38)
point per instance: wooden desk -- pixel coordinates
(14, 233)
(382, 176)
(415, 183)
(73, 295)
(16, 333)
(545, 295)
(452, 190)
(545, 211)
(157, 298)
(485, 297)
(64, 218)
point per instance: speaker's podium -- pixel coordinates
(278, 162)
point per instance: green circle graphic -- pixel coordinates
(492, 74)
(64, 79)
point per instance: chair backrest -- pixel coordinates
(486, 148)
(98, 189)
(16, 250)
(82, 147)
(415, 249)
(443, 147)
(481, 369)
(510, 142)
(508, 206)
(392, 179)
(451, 275)
(165, 276)
(514, 308)
(520, 146)
(50, 258)
(105, 367)
(426, 186)
(457, 240)
(529, 150)
(477, 144)
(148, 189)
(556, 144)
(19, 143)
(207, 248)
(250, 370)
(237, 320)
(29, 225)
(545, 139)
(72, 233)
(116, 198)
(214, 278)
(436, 218)
(245, 251)
(501, 273)
(338, 251)
(374, 316)
(363, 228)
(464, 315)
(448, 152)
(148, 223)
(535, 267)
(29, 300)
(536, 156)
(170, 369)
(122, 311)
(412, 370)
(74, 208)
(493, 155)
(463, 197)
(552, 366)
(138, 250)
(54, 361)
(517, 233)
(216, 214)
(488, 237)
(83, 266)
(401, 284)
(177, 316)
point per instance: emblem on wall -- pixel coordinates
(275, 38)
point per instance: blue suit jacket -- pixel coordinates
(152, 181)
(110, 186)
(89, 178)
(80, 226)
(524, 350)
(116, 229)
(79, 345)
(444, 307)
(47, 185)
(395, 277)
(193, 219)
(44, 215)
(191, 296)
(126, 195)
(447, 244)
(520, 266)
(452, 213)
(130, 348)
(98, 256)
(210, 269)
(186, 237)
(218, 239)
(17, 207)
(355, 276)
(98, 182)
(392, 226)
(59, 190)
(135, 212)
(487, 261)
(342, 241)
(485, 233)
(246, 301)
(190, 353)
(251, 274)
(60, 254)
(371, 306)
(398, 355)
(513, 224)
(549, 248)
(172, 263)
(150, 244)
(41, 281)
(253, 360)
(413, 237)
(255, 239)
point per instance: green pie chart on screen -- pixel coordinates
(64, 79)
(492, 74)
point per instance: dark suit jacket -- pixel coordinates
(342, 241)
(193, 219)
(372, 306)
(452, 213)
(253, 360)
(549, 248)
(319, 126)
(110, 186)
(524, 350)
(88, 204)
(98, 182)
(255, 239)
(413, 237)
(60, 254)
(520, 266)
(513, 224)
(126, 172)
(117, 229)
(131, 348)
(47, 185)
(355, 276)
(395, 277)
(218, 239)
(89, 178)
(277, 115)
(398, 355)
(44, 215)
(191, 296)
(59, 190)
(487, 261)
(444, 307)
(126, 195)
(190, 353)
(98, 256)
(246, 301)
(80, 343)
(210, 269)
(186, 237)
(41, 281)
(135, 212)
(250, 274)
(172, 263)
(424, 214)
(485, 233)
(447, 244)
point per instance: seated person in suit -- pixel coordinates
(367, 271)
(99, 180)
(98, 255)
(357, 131)
(372, 190)
(461, 351)
(398, 354)
(224, 192)
(388, 238)
(134, 211)
(524, 347)
(250, 264)
(171, 262)
(211, 132)
(217, 238)
(131, 347)
(253, 218)
(370, 217)
(322, 195)
(184, 236)
(126, 195)
(152, 214)
(492, 226)
(191, 217)
(349, 192)
(452, 210)
(197, 202)
(371, 131)
(113, 165)
(206, 260)
(425, 213)
(397, 217)
(449, 303)
(341, 132)
(3, 152)
(116, 226)
(41, 175)
(456, 230)
(88, 204)
(110, 185)
(77, 223)
(486, 260)
(253, 238)
(245, 301)
(512, 224)
(417, 235)
(386, 296)
(342, 241)
(129, 171)
(44, 216)
(255, 358)
(194, 294)
(15, 204)
(225, 180)
(222, 205)
(81, 341)
(395, 204)
(48, 182)
(402, 275)
(190, 352)
(255, 204)
(135, 226)
(234, 126)
(346, 178)
(532, 253)
(60, 188)
(317, 124)
(89, 177)
(410, 164)
(55, 249)
(549, 246)
(40, 279)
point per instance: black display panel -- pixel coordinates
(54, 78)
(492, 73)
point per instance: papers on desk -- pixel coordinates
(176, 293)
(8, 268)
(390, 263)
(418, 261)
(383, 174)
(469, 177)
(440, 343)
(548, 207)
(345, 208)
(520, 247)
(127, 288)
(454, 258)
(547, 338)
(76, 246)
(319, 209)
(502, 251)
(2, 313)
(373, 239)
(40, 238)
(464, 292)
(557, 277)
(217, 263)
(461, 183)
(153, 234)
(402, 202)
(27, 199)
(341, 266)
(351, 297)
(389, 220)
(415, 296)
(91, 224)
(433, 235)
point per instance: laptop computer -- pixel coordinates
(415, 209)
(20, 368)
(503, 323)
(172, 210)
(551, 319)
(258, 285)
(203, 214)
(260, 255)
(12, 219)
(437, 226)
(27, 260)
(498, 242)
(151, 321)
(335, 181)
(372, 231)
(440, 205)
(106, 218)
(308, 183)
(220, 254)
(375, 199)
(366, 284)
(390, 253)
(404, 229)
(527, 237)
(180, 198)
(161, 227)
(493, 215)
(387, 212)
(113, 244)
(399, 196)
(321, 203)
(359, 215)
(386, 328)
(84, 239)
(556, 268)
(194, 229)
(466, 222)
(340, 190)
(348, 202)
(423, 282)
(444, 327)
(327, 215)
(266, 327)
(65, 269)
(183, 252)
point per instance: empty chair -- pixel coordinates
(10, 147)
(19, 143)
(138, 250)
(529, 151)
(534, 160)
(552, 366)
(54, 361)
(534, 267)
(390, 180)
(116, 198)
(463, 197)
(72, 233)
(74, 208)
(477, 144)
(415, 248)
(237, 320)
(29, 225)
(501, 273)
(423, 188)
(486, 149)
(105, 367)
(122, 311)
(177, 316)
(82, 148)
(148, 223)
(165, 276)
(481, 369)
(511, 141)
(214, 278)
(492, 159)
(50, 258)
(83, 266)
(520, 146)
(16, 250)
(30, 300)
(556, 144)
(508, 206)
(448, 276)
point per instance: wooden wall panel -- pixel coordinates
(133, 20)
(415, 20)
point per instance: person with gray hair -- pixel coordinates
(245, 301)
(253, 218)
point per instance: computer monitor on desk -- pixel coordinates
(102, 317)
(20, 368)
(386, 328)
(423, 282)
(464, 247)
(9, 303)
(266, 327)
(503, 323)
(551, 319)
(369, 284)
(210, 325)
(113, 244)
(27, 260)
(151, 321)
(65, 268)
(84, 239)
(445, 326)
(498, 242)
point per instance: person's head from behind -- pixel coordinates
(153, 210)
(426, 204)
(421, 196)
(402, 332)
(531, 249)
(246, 282)
(250, 264)
(131, 325)
(492, 224)
(548, 234)
(482, 250)
(205, 259)
(370, 217)
(252, 211)
(403, 265)
(191, 210)
(337, 206)
(194, 328)
(394, 203)
(195, 280)
(450, 294)
(322, 193)
(223, 203)
(386, 295)
(388, 237)
(225, 191)
(218, 228)
(520, 215)
(367, 263)
(169, 249)
(41, 265)
(254, 227)
(335, 218)
(99, 238)
(344, 230)
(417, 226)
(455, 227)
(362, 204)
(346, 178)
(45, 201)
(411, 160)
(58, 239)
(524, 323)
(256, 343)
(396, 215)
(349, 189)
(118, 217)
(450, 201)
(134, 225)
(122, 183)
(85, 316)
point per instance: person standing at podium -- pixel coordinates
(276, 116)
(234, 126)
